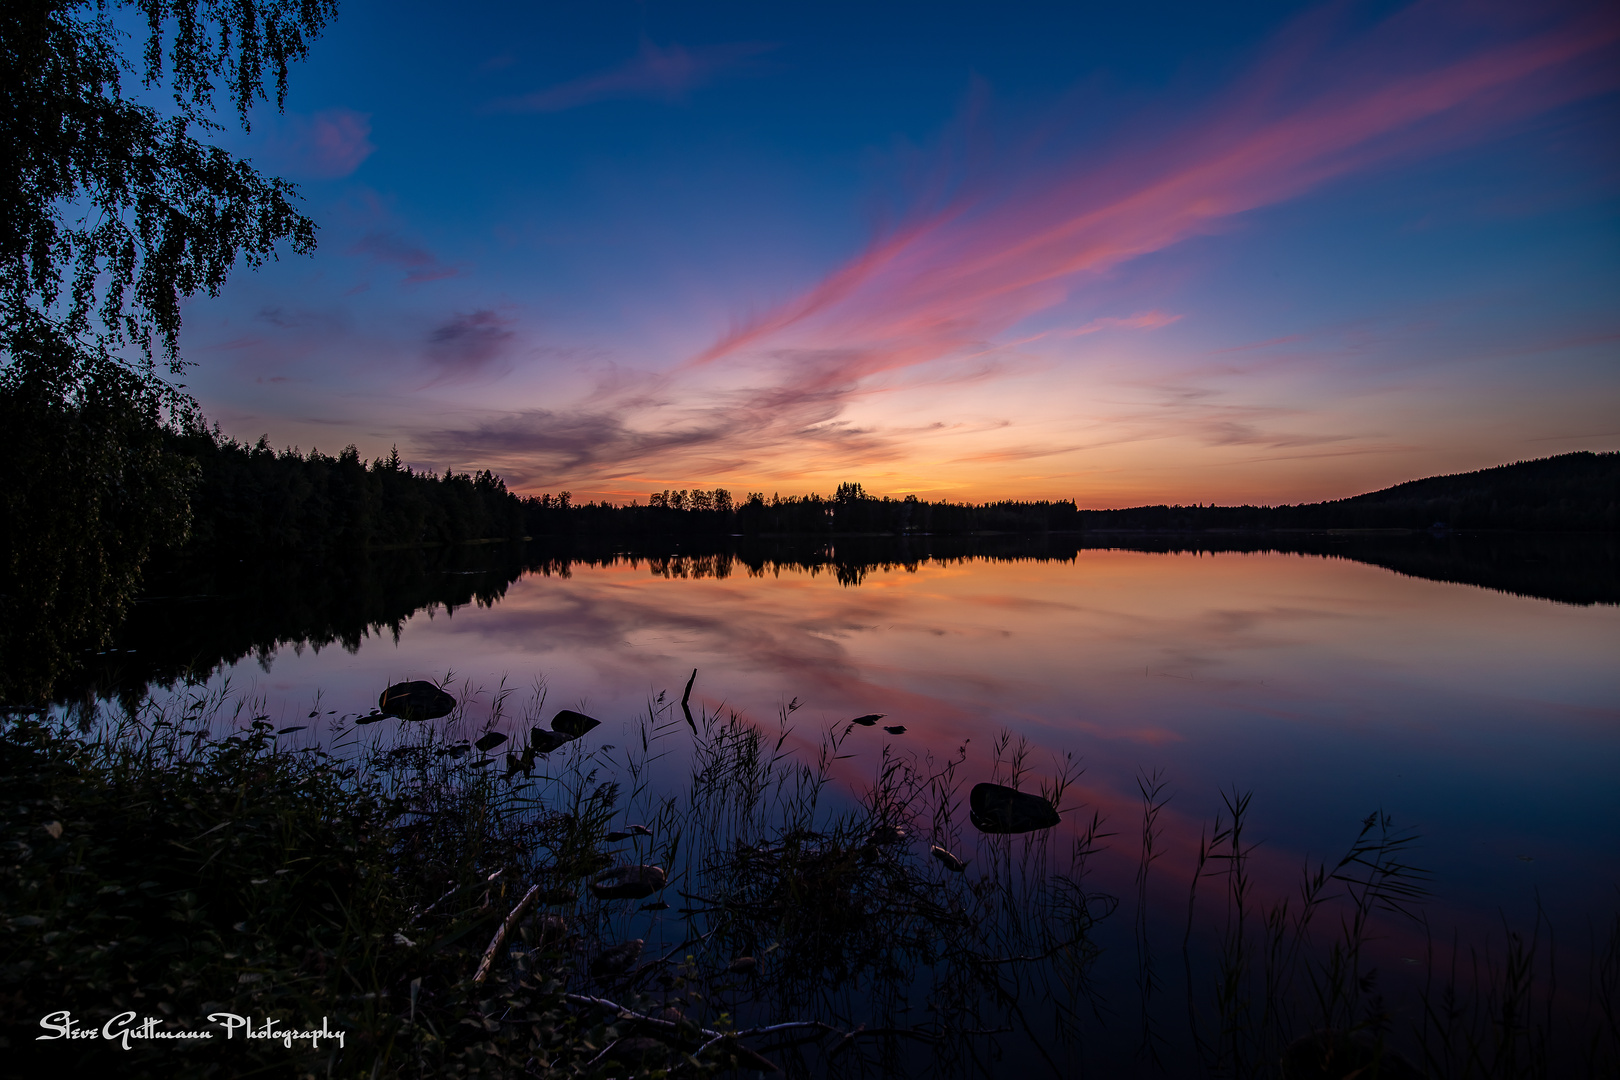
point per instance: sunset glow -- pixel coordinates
(1123, 260)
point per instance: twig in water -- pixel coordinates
(686, 698)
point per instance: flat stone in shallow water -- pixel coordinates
(994, 808)
(628, 882)
(415, 700)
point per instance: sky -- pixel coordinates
(1122, 254)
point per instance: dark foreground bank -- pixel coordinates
(445, 900)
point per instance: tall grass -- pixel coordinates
(432, 900)
(1295, 979)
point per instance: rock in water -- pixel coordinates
(1340, 1055)
(617, 959)
(868, 721)
(490, 741)
(996, 809)
(416, 700)
(544, 742)
(572, 724)
(628, 882)
(947, 860)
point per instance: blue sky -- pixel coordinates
(1165, 253)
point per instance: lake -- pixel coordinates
(1326, 687)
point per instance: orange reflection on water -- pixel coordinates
(1328, 687)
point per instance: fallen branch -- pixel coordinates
(501, 935)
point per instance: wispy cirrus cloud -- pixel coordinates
(660, 73)
(1142, 320)
(933, 300)
(1011, 247)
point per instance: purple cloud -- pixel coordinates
(467, 345)
(653, 73)
(420, 264)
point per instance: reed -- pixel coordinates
(431, 895)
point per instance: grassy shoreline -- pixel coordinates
(431, 900)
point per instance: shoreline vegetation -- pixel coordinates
(439, 898)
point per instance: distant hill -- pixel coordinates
(1579, 491)
(1570, 491)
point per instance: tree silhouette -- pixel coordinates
(111, 214)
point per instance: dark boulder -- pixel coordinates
(572, 724)
(996, 809)
(628, 882)
(415, 700)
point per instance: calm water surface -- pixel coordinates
(1329, 688)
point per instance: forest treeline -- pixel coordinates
(849, 510)
(252, 499)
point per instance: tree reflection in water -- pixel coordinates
(199, 616)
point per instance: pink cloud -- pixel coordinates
(327, 145)
(1142, 320)
(952, 280)
(653, 73)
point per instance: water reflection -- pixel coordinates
(196, 618)
(1327, 685)
(1485, 719)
